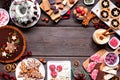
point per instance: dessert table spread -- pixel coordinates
(66, 40)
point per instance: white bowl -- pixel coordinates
(116, 62)
(116, 40)
(93, 1)
(6, 13)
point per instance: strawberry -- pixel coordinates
(59, 68)
(53, 74)
(52, 67)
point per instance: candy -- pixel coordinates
(53, 74)
(78, 9)
(59, 68)
(52, 67)
(111, 58)
(52, 2)
(52, 7)
(82, 12)
(56, 11)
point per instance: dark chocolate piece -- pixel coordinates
(56, 11)
(52, 2)
(52, 7)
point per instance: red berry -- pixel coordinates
(65, 17)
(29, 53)
(59, 68)
(52, 67)
(78, 10)
(53, 74)
(68, 12)
(82, 12)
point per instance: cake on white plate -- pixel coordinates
(25, 13)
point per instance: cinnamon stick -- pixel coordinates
(107, 31)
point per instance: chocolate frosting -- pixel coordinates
(4, 34)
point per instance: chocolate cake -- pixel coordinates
(12, 44)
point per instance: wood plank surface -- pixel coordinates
(65, 40)
(61, 41)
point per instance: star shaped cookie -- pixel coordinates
(10, 47)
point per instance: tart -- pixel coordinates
(105, 3)
(115, 12)
(12, 44)
(104, 14)
(115, 24)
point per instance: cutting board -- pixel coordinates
(100, 65)
(57, 17)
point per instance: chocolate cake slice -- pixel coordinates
(12, 44)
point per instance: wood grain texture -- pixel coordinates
(65, 40)
(61, 41)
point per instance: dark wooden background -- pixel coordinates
(65, 40)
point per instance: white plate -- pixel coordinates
(96, 9)
(41, 68)
(6, 22)
(32, 23)
(66, 71)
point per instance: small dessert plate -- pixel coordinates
(114, 42)
(59, 70)
(111, 59)
(33, 67)
(89, 2)
(4, 17)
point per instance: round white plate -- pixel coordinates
(32, 23)
(41, 68)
